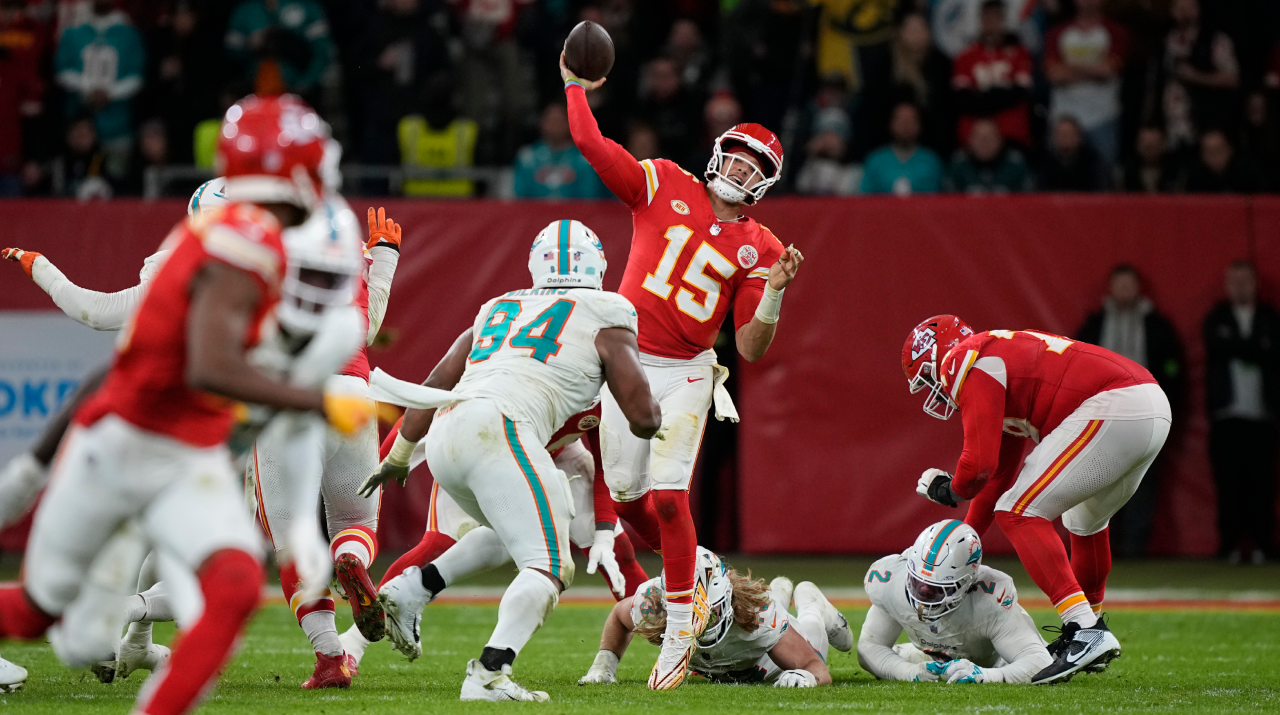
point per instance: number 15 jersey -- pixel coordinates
(534, 353)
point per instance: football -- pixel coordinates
(588, 51)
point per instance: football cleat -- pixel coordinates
(496, 686)
(362, 595)
(1085, 648)
(331, 672)
(673, 661)
(353, 665)
(780, 590)
(839, 635)
(12, 676)
(403, 598)
(131, 657)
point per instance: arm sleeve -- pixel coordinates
(100, 311)
(619, 170)
(1016, 640)
(383, 270)
(982, 412)
(600, 497)
(875, 648)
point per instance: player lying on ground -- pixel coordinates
(749, 637)
(537, 357)
(594, 529)
(150, 445)
(963, 618)
(1097, 420)
(693, 256)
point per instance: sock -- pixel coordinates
(354, 643)
(19, 617)
(432, 581)
(138, 634)
(525, 605)
(493, 658)
(679, 617)
(679, 544)
(156, 604)
(135, 608)
(231, 581)
(631, 569)
(429, 549)
(321, 630)
(361, 541)
(1091, 563)
(478, 550)
(1045, 558)
(641, 516)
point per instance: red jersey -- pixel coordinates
(686, 267)
(573, 429)
(1024, 384)
(147, 383)
(985, 69)
(359, 364)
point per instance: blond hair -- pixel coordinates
(750, 598)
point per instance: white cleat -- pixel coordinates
(12, 676)
(20, 480)
(673, 661)
(403, 599)
(132, 657)
(780, 589)
(839, 635)
(354, 644)
(484, 684)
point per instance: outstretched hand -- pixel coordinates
(784, 271)
(566, 74)
(25, 258)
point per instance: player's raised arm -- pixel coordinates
(100, 311)
(754, 337)
(620, 356)
(620, 171)
(384, 247)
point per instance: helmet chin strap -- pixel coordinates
(728, 191)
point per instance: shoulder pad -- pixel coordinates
(880, 574)
(612, 309)
(994, 589)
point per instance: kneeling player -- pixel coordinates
(749, 636)
(963, 618)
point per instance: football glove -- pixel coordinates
(964, 671)
(386, 472)
(603, 670)
(601, 554)
(25, 258)
(795, 679)
(935, 485)
(382, 230)
(924, 673)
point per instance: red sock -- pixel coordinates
(432, 545)
(1091, 563)
(631, 569)
(642, 517)
(231, 581)
(1043, 556)
(19, 617)
(679, 543)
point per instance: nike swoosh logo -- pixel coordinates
(1091, 641)
(695, 379)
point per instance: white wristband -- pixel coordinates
(401, 451)
(770, 305)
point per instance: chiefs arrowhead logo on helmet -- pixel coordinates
(923, 354)
(923, 341)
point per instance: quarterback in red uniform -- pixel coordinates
(149, 446)
(1097, 420)
(693, 256)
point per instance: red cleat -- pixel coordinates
(363, 597)
(353, 666)
(331, 672)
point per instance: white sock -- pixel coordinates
(322, 632)
(138, 634)
(355, 547)
(478, 550)
(354, 643)
(1080, 613)
(157, 606)
(679, 617)
(525, 605)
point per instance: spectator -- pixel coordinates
(1083, 61)
(183, 76)
(825, 171)
(280, 46)
(1201, 76)
(1259, 139)
(686, 48)
(1153, 169)
(904, 167)
(1219, 170)
(1242, 342)
(987, 165)
(992, 79)
(21, 89)
(496, 77)
(922, 76)
(153, 152)
(764, 38)
(438, 139)
(404, 45)
(1130, 325)
(100, 65)
(79, 171)
(642, 141)
(672, 112)
(721, 114)
(554, 168)
(1072, 165)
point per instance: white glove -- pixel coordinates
(310, 555)
(20, 481)
(601, 554)
(795, 679)
(927, 673)
(603, 670)
(935, 485)
(964, 671)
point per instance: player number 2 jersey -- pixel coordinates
(534, 352)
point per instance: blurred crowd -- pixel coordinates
(868, 96)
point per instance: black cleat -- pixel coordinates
(1079, 649)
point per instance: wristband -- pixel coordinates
(401, 451)
(574, 81)
(770, 305)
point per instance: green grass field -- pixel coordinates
(1174, 660)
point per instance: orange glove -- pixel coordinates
(26, 258)
(347, 413)
(382, 230)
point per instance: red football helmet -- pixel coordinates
(763, 144)
(272, 149)
(924, 352)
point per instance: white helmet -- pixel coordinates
(567, 254)
(711, 592)
(325, 255)
(211, 194)
(941, 566)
